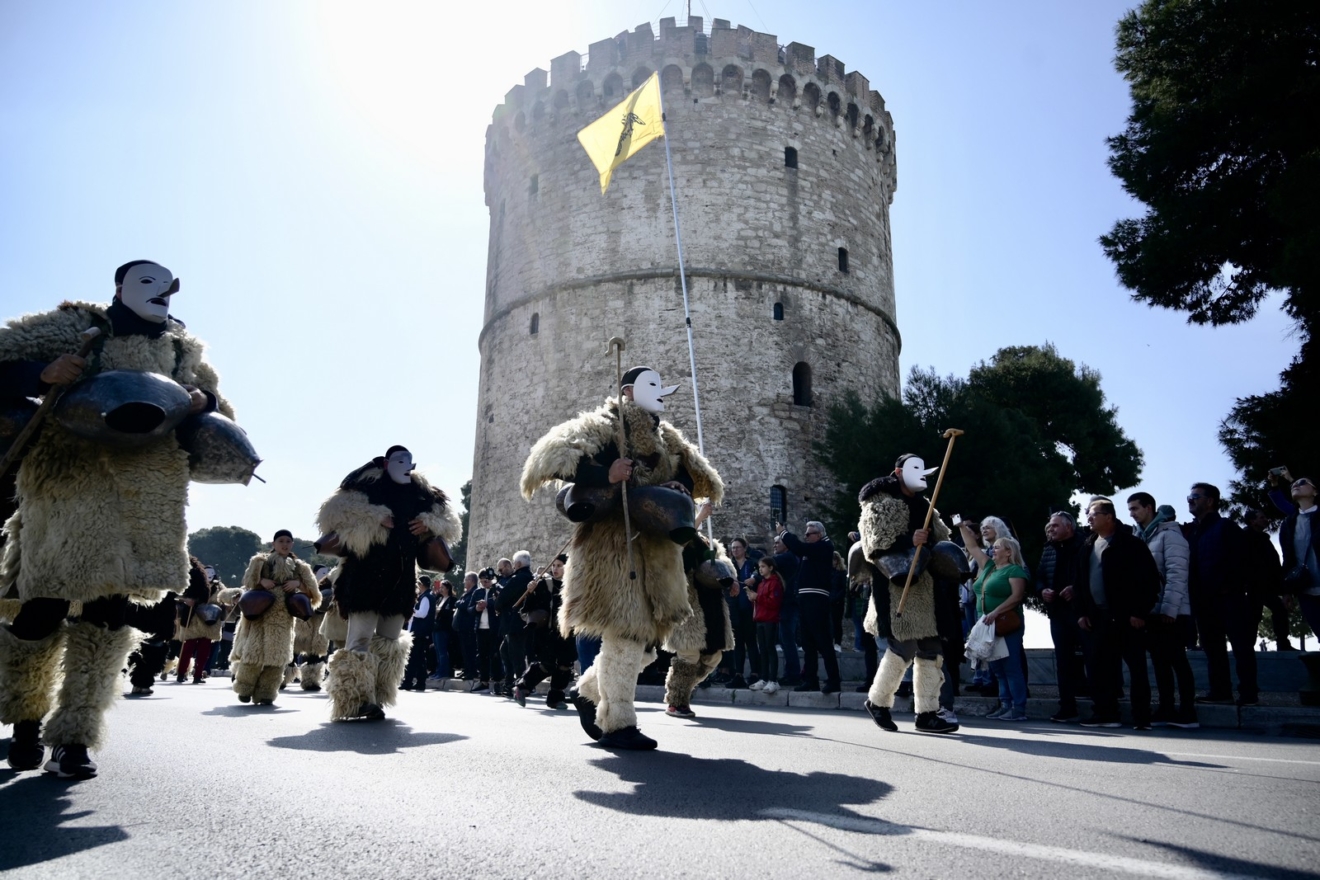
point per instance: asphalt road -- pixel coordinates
(193, 784)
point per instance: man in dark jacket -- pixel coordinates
(1218, 586)
(1300, 548)
(787, 564)
(421, 625)
(1053, 585)
(1116, 585)
(815, 579)
(465, 625)
(513, 640)
(1265, 575)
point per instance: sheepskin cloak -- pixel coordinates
(599, 598)
(709, 630)
(268, 640)
(885, 520)
(94, 521)
(374, 577)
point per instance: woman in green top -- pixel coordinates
(1001, 587)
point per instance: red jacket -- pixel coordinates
(769, 596)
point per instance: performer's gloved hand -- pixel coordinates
(63, 370)
(621, 470)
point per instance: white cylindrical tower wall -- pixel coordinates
(764, 248)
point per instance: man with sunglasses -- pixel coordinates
(1297, 537)
(1218, 584)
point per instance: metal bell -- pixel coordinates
(123, 408)
(218, 449)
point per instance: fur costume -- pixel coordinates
(370, 678)
(885, 525)
(129, 502)
(334, 627)
(599, 599)
(699, 642)
(263, 647)
(310, 647)
(379, 573)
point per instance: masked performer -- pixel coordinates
(75, 490)
(311, 645)
(629, 615)
(893, 516)
(698, 643)
(263, 644)
(382, 516)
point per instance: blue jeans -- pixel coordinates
(587, 647)
(1008, 672)
(440, 638)
(788, 623)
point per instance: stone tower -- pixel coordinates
(784, 166)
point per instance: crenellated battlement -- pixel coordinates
(725, 64)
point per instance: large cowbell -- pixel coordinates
(218, 449)
(655, 510)
(123, 408)
(15, 413)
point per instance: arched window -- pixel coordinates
(802, 384)
(731, 80)
(779, 311)
(787, 90)
(613, 87)
(703, 81)
(536, 323)
(778, 504)
(640, 75)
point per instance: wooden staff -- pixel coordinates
(540, 574)
(616, 344)
(88, 338)
(952, 434)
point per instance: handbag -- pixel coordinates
(1006, 623)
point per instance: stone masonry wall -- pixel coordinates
(568, 268)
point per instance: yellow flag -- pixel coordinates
(616, 136)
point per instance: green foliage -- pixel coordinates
(1220, 148)
(1297, 627)
(1037, 430)
(227, 549)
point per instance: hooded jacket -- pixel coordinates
(1172, 557)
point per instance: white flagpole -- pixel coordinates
(682, 280)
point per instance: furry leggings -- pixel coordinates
(90, 658)
(687, 670)
(611, 682)
(261, 683)
(926, 676)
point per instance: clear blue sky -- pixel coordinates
(312, 172)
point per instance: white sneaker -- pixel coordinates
(757, 686)
(947, 715)
(770, 687)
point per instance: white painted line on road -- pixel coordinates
(1241, 758)
(1058, 854)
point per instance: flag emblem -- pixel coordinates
(619, 134)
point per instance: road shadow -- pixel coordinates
(1041, 746)
(671, 785)
(244, 710)
(746, 725)
(386, 737)
(33, 811)
(1230, 867)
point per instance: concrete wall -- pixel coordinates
(582, 267)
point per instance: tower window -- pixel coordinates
(790, 157)
(534, 185)
(536, 323)
(779, 311)
(843, 260)
(778, 504)
(802, 384)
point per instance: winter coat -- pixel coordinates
(769, 596)
(1169, 549)
(128, 518)
(1132, 582)
(268, 640)
(1218, 559)
(599, 597)
(379, 572)
(511, 618)
(816, 575)
(1058, 563)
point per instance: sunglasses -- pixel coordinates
(1195, 497)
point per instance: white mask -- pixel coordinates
(146, 290)
(648, 393)
(914, 474)
(399, 466)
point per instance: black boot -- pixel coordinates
(25, 750)
(929, 722)
(628, 739)
(586, 715)
(880, 715)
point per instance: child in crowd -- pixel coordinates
(766, 599)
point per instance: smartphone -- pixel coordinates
(957, 519)
(1278, 471)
